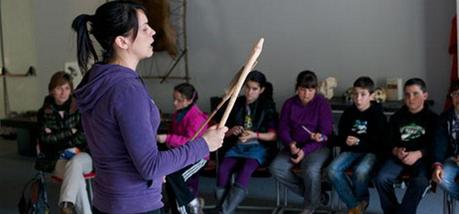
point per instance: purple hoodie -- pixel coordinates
(316, 116)
(120, 121)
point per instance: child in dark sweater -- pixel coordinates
(446, 147)
(411, 132)
(361, 132)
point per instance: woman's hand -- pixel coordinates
(161, 138)
(214, 137)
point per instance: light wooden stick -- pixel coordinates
(226, 98)
(229, 93)
(247, 68)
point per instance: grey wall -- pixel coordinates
(38, 33)
(344, 39)
(20, 53)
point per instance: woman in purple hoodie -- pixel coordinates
(304, 127)
(119, 117)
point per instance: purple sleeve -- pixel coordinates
(136, 118)
(284, 124)
(325, 127)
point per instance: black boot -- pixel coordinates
(220, 194)
(233, 199)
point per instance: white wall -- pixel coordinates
(345, 39)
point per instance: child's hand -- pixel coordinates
(298, 157)
(48, 130)
(293, 148)
(399, 152)
(411, 157)
(437, 174)
(318, 137)
(247, 135)
(236, 130)
(351, 141)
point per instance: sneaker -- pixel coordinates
(195, 206)
(67, 208)
(307, 211)
(355, 210)
(359, 209)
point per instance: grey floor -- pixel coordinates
(17, 170)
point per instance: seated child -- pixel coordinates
(411, 131)
(446, 147)
(361, 135)
(186, 121)
(252, 133)
(304, 127)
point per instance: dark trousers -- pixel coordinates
(177, 185)
(177, 189)
(390, 172)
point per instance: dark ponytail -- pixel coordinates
(112, 19)
(85, 48)
(187, 90)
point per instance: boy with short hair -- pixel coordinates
(411, 131)
(360, 133)
(446, 146)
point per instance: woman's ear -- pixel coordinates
(122, 42)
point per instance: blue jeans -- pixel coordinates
(448, 183)
(389, 174)
(307, 184)
(355, 190)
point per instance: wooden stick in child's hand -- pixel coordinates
(247, 68)
(306, 129)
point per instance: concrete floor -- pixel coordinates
(17, 170)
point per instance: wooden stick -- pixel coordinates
(247, 68)
(229, 93)
(226, 98)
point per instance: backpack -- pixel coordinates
(34, 199)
